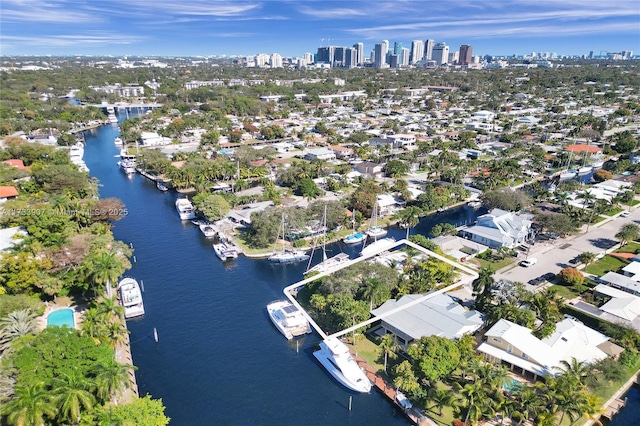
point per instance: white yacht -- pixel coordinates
(225, 251)
(288, 319)
(76, 154)
(118, 142)
(207, 229)
(584, 170)
(354, 238)
(127, 162)
(162, 186)
(185, 209)
(131, 297)
(376, 232)
(335, 357)
(378, 246)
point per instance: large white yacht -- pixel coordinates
(378, 246)
(288, 319)
(131, 297)
(185, 209)
(335, 357)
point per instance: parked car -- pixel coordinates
(548, 276)
(536, 281)
(625, 213)
(575, 260)
(529, 262)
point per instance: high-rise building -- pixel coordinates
(338, 57)
(465, 54)
(308, 58)
(350, 57)
(405, 55)
(453, 57)
(428, 49)
(397, 48)
(326, 54)
(359, 52)
(261, 59)
(381, 50)
(440, 53)
(275, 61)
(417, 51)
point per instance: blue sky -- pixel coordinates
(207, 27)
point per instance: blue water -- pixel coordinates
(630, 414)
(219, 359)
(60, 318)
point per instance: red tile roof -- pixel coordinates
(583, 148)
(8, 191)
(17, 163)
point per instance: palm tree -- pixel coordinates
(587, 257)
(441, 398)
(111, 379)
(29, 406)
(106, 268)
(628, 232)
(529, 403)
(588, 202)
(482, 286)
(475, 394)
(575, 371)
(116, 333)
(375, 290)
(16, 324)
(72, 395)
(110, 308)
(94, 325)
(409, 217)
(388, 344)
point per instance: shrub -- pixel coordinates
(571, 276)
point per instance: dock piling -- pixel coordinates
(350, 398)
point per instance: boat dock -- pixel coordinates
(147, 174)
(616, 403)
(391, 393)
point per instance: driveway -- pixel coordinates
(554, 255)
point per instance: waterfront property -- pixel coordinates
(515, 346)
(437, 316)
(62, 318)
(500, 228)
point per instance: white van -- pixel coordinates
(529, 262)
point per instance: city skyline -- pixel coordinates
(291, 28)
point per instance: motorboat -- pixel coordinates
(475, 204)
(131, 297)
(336, 358)
(162, 186)
(354, 238)
(288, 319)
(76, 154)
(378, 246)
(127, 162)
(185, 209)
(287, 255)
(225, 251)
(207, 229)
(597, 165)
(118, 142)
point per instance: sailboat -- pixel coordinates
(286, 255)
(355, 237)
(374, 230)
(327, 264)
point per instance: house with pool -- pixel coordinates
(519, 350)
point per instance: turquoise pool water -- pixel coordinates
(60, 318)
(510, 384)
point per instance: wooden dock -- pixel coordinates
(390, 392)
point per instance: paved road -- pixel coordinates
(553, 255)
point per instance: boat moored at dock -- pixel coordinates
(288, 319)
(378, 246)
(185, 209)
(335, 357)
(225, 251)
(131, 297)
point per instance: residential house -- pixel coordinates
(439, 315)
(153, 139)
(341, 152)
(629, 284)
(500, 228)
(8, 193)
(388, 204)
(320, 154)
(370, 169)
(515, 345)
(17, 163)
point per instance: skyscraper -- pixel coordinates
(465, 54)
(381, 50)
(359, 52)
(350, 57)
(326, 54)
(417, 51)
(397, 48)
(428, 49)
(440, 53)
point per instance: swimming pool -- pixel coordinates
(510, 384)
(60, 318)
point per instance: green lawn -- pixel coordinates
(568, 292)
(631, 247)
(494, 265)
(604, 265)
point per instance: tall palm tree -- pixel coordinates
(94, 325)
(30, 406)
(388, 345)
(116, 334)
(106, 269)
(72, 393)
(575, 371)
(482, 286)
(16, 324)
(110, 308)
(409, 217)
(375, 290)
(111, 379)
(628, 232)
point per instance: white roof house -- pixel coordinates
(516, 345)
(153, 139)
(621, 282)
(622, 304)
(500, 228)
(437, 316)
